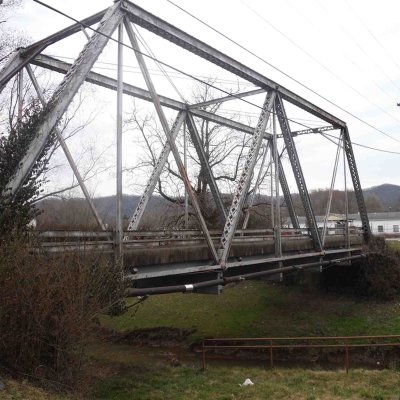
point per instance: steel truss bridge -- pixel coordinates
(160, 261)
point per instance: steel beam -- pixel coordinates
(245, 180)
(287, 196)
(120, 81)
(356, 184)
(155, 175)
(227, 98)
(65, 92)
(23, 56)
(169, 32)
(15, 64)
(205, 165)
(297, 171)
(174, 149)
(20, 97)
(347, 231)
(101, 80)
(258, 182)
(312, 130)
(67, 153)
(185, 165)
(277, 230)
(333, 180)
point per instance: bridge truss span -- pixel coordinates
(208, 254)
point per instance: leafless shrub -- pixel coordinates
(49, 307)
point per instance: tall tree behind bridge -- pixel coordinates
(225, 150)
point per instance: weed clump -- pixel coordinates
(375, 277)
(380, 271)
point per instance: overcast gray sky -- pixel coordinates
(331, 32)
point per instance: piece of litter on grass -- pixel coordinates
(247, 382)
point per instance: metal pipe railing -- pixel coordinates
(272, 344)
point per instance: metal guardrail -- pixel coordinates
(273, 345)
(141, 234)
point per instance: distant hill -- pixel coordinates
(107, 206)
(388, 194)
(63, 212)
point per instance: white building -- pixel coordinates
(380, 223)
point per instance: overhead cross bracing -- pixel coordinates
(122, 16)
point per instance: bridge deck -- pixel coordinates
(165, 258)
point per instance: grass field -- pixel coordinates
(394, 244)
(175, 383)
(223, 383)
(248, 309)
(262, 309)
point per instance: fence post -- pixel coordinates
(347, 355)
(204, 357)
(271, 356)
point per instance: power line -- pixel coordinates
(177, 76)
(344, 54)
(322, 65)
(185, 73)
(360, 145)
(220, 111)
(282, 72)
(357, 44)
(161, 62)
(162, 69)
(366, 27)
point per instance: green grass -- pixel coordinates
(135, 382)
(261, 309)
(393, 244)
(223, 383)
(248, 309)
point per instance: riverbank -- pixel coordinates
(136, 362)
(254, 309)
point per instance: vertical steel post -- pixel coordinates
(271, 354)
(287, 196)
(120, 82)
(20, 97)
(85, 33)
(257, 184)
(244, 182)
(298, 172)
(356, 184)
(204, 356)
(185, 165)
(67, 153)
(174, 149)
(328, 208)
(346, 199)
(278, 238)
(271, 160)
(65, 93)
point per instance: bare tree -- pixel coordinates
(10, 38)
(225, 150)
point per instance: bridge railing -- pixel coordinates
(144, 235)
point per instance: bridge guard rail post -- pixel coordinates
(204, 357)
(271, 354)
